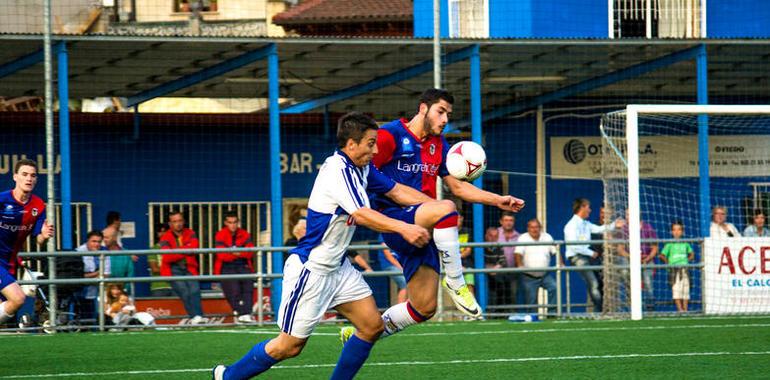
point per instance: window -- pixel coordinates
(667, 18)
(468, 18)
(191, 5)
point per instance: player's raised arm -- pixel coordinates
(470, 193)
(407, 196)
(414, 234)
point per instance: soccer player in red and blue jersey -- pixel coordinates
(21, 213)
(413, 152)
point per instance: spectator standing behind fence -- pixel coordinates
(91, 266)
(536, 256)
(239, 293)
(580, 229)
(678, 253)
(648, 254)
(389, 263)
(757, 228)
(720, 228)
(506, 234)
(120, 265)
(182, 264)
(158, 288)
(494, 258)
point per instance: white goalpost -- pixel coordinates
(668, 183)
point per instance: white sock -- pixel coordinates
(4, 317)
(448, 244)
(399, 317)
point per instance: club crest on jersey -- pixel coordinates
(432, 149)
(34, 211)
(406, 141)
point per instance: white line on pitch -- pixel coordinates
(383, 364)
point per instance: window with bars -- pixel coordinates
(656, 18)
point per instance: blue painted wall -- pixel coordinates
(423, 18)
(738, 19)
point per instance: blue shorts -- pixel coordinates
(411, 257)
(5, 278)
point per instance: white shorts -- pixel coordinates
(681, 287)
(307, 296)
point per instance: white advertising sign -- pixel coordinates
(664, 156)
(736, 275)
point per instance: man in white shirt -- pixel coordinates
(317, 277)
(536, 256)
(720, 228)
(580, 229)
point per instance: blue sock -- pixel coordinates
(353, 356)
(253, 363)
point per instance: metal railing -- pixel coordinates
(260, 277)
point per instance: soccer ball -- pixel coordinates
(466, 160)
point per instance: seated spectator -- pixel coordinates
(118, 306)
(757, 228)
(182, 264)
(297, 233)
(239, 293)
(91, 266)
(158, 288)
(494, 258)
(120, 265)
(536, 256)
(720, 228)
(389, 263)
(678, 254)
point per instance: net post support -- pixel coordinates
(276, 196)
(558, 279)
(64, 146)
(478, 209)
(634, 232)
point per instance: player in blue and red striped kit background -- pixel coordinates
(21, 214)
(413, 153)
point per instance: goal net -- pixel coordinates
(655, 179)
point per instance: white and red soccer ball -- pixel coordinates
(466, 161)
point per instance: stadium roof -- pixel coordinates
(326, 11)
(515, 74)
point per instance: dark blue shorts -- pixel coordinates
(411, 257)
(5, 278)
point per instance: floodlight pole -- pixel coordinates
(276, 197)
(50, 161)
(62, 69)
(478, 208)
(704, 183)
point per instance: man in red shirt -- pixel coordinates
(182, 264)
(239, 293)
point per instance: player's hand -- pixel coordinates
(511, 203)
(620, 223)
(416, 235)
(47, 231)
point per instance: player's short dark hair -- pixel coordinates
(677, 223)
(507, 213)
(94, 233)
(231, 214)
(758, 211)
(432, 96)
(112, 216)
(578, 203)
(24, 162)
(353, 125)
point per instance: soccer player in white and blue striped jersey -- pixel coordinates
(317, 276)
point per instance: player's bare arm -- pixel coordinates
(412, 233)
(470, 193)
(407, 196)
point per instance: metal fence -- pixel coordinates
(564, 307)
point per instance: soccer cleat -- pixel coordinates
(463, 299)
(218, 373)
(346, 333)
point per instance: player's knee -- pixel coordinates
(14, 301)
(446, 207)
(426, 308)
(372, 331)
(288, 351)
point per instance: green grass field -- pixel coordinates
(656, 348)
